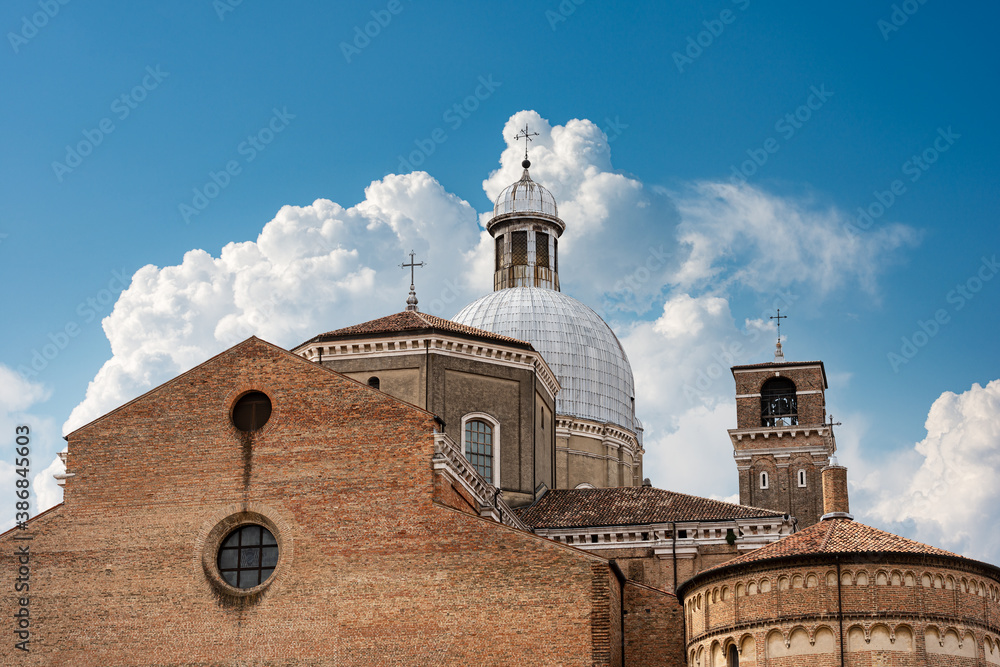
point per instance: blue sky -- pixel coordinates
(822, 110)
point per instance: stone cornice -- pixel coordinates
(454, 346)
(606, 432)
(757, 532)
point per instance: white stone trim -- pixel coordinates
(495, 423)
(567, 426)
(757, 532)
(797, 393)
(778, 432)
(443, 345)
(820, 452)
(774, 367)
(449, 461)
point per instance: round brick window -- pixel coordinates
(252, 411)
(248, 556)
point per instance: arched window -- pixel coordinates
(778, 406)
(802, 478)
(479, 446)
(374, 382)
(764, 480)
(734, 656)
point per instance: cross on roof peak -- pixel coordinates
(411, 300)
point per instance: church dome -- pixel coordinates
(579, 347)
(525, 196)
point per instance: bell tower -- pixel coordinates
(782, 441)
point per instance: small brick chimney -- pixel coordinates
(836, 504)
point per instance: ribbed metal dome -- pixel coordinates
(525, 196)
(580, 348)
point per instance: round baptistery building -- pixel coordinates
(841, 593)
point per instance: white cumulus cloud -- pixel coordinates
(741, 235)
(952, 497)
(312, 269)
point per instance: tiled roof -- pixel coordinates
(628, 506)
(410, 320)
(837, 536)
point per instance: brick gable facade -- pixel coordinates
(372, 570)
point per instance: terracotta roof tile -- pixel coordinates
(409, 320)
(627, 506)
(836, 536)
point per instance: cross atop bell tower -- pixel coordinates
(778, 354)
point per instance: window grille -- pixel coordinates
(542, 249)
(248, 556)
(499, 252)
(519, 248)
(479, 447)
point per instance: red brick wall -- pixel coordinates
(902, 596)
(654, 627)
(372, 570)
